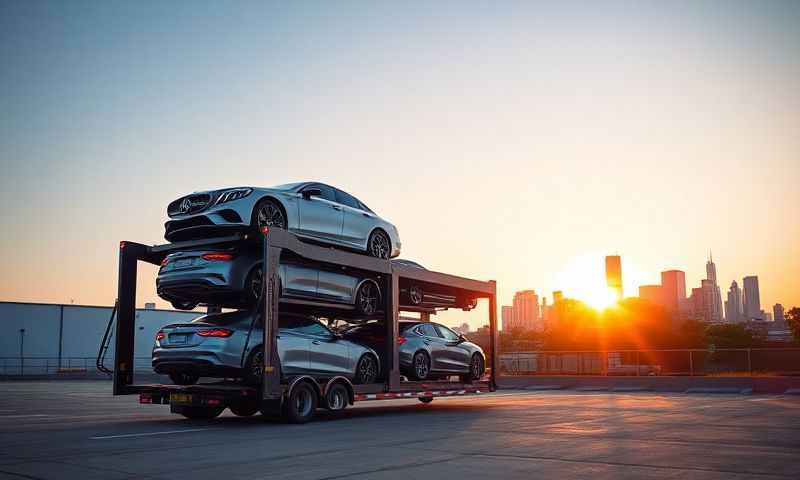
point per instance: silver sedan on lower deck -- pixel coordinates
(225, 345)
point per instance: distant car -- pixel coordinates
(314, 211)
(228, 345)
(427, 350)
(416, 295)
(233, 278)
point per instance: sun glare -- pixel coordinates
(584, 279)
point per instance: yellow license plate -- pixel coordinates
(180, 398)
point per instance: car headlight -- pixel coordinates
(233, 194)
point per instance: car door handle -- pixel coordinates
(367, 215)
(336, 207)
(315, 342)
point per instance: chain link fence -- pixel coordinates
(719, 362)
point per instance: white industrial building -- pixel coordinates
(41, 338)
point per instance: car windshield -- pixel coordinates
(220, 319)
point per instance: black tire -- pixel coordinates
(476, 369)
(201, 413)
(179, 378)
(184, 305)
(415, 295)
(421, 366)
(379, 245)
(254, 367)
(302, 402)
(425, 399)
(268, 213)
(244, 408)
(254, 285)
(337, 398)
(366, 369)
(368, 297)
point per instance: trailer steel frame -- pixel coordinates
(274, 243)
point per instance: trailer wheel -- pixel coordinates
(201, 413)
(426, 400)
(337, 397)
(244, 408)
(301, 403)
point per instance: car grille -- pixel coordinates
(189, 204)
(176, 225)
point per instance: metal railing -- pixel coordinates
(719, 362)
(16, 366)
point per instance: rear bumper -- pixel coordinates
(200, 286)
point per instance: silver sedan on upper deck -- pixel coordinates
(312, 210)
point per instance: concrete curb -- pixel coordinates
(543, 387)
(723, 390)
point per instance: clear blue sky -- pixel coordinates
(506, 140)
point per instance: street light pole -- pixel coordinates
(21, 351)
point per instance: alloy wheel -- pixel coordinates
(379, 245)
(421, 367)
(367, 298)
(270, 215)
(476, 367)
(256, 283)
(367, 371)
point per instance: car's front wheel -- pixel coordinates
(183, 378)
(367, 298)
(476, 369)
(379, 245)
(254, 368)
(268, 213)
(255, 284)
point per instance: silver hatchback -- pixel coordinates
(225, 345)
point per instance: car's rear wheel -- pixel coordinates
(421, 366)
(337, 398)
(301, 403)
(366, 369)
(179, 378)
(254, 367)
(184, 305)
(367, 298)
(244, 408)
(476, 369)
(201, 413)
(379, 245)
(268, 213)
(255, 284)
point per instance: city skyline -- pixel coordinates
(544, 136)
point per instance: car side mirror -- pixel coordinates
(311, 192)
(461, 338)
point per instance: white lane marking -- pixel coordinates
(169, 432)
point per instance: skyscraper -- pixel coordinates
(545, 313)
(651, 293)
(673, 289)
(507, 317)
(751, 298)
(778, 316)
(614, 274)
(525, 313)
(709, 311)
(716, 300)
(733, 306)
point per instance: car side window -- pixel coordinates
(446, 333)
(347, 199)
(328, 193)
(428, 330)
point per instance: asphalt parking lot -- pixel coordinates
(76, 429)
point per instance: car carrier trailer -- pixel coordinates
(297, 397)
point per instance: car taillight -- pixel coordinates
(218, 256)
(164, 262)
(215, 332)
(160, 335)
(401, 340)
